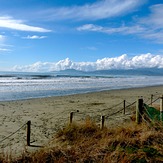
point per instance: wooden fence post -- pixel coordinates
(161, 108)
(71, 117)
(124, 106)
(28, 132)
(139, 110)
(102, 122)
(151, 99)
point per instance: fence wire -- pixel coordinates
(156, 99)
(12, 133)
(112, 106)
(152, 113)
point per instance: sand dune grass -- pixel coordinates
(86, 142)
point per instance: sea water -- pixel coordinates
(17, 86)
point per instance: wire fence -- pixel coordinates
(7, 137)
(46, 131)
(150, 113)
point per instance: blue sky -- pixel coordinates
(39, 35)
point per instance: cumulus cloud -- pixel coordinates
(11, 23)
(122, 62)
(36, 67)
(35, 37)
(93, 11)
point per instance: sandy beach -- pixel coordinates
(47, 115)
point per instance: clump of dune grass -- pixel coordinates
(86, 142)
(75, 132)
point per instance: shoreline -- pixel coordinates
(49, 114)
(89, 92)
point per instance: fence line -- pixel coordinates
(121, 109)
(114, 113)
(113, 106)
(106, 116)
(149, 99)
(72, 113)
(155, 114)
(131, 104)
(153, 101)
(12, 133)
(103, 117)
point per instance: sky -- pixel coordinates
(50, 35)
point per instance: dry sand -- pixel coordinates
(47, 115)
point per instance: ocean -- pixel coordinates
(17, 86)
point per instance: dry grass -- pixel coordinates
(88, 144)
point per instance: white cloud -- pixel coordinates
(155, 18)
(35, 37)
(122, 62)
(100, 9)
(3, 47)
(153, 24)
(156, 36)
(9, 22)
(123, 29)
(4, 50)
(38, 66)
(2, 38)
(150, 27)
(90, 27)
